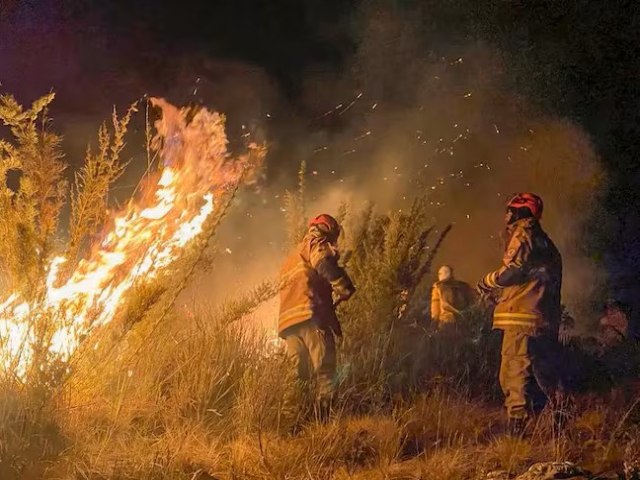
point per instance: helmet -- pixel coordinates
(327, 224)
(527, 200)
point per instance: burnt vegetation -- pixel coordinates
(163, 395)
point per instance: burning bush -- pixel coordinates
(118, 264)
(180, 202)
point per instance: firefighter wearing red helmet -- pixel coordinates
(312, 284)
(526, 294)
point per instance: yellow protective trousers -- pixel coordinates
(530, 372)
(313, 351)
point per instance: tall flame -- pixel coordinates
(144, 238)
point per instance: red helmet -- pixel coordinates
(529, 200)
(327, 224)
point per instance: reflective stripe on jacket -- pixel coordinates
(304, 293)
(527, 286)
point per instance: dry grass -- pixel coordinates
(92, 184)
(31, 207)
(160, 396)
(509, 453)
(440, 420)
(449, 464)
(202, 399)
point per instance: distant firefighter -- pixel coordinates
(449, 297)
(312, 284)
(526, 292)
(614, 325)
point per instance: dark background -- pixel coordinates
(574, 59)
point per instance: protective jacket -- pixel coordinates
(449, 298)
(527, 286)
(310, 282)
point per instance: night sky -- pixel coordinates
(574, 59)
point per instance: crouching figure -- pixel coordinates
(449, 298)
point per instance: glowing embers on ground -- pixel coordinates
(143, 239)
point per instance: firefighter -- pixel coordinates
(312, 285)
(449, 298)
(526, 294)
(614, 325)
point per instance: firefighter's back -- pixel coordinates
(533, 303)
(295, 297)
(304, 294)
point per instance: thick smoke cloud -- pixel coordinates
(404, 115)
(406, 118)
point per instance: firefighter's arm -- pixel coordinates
(325, 260)
(514, 262)
(435, 304)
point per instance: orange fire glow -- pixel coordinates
(144, 238)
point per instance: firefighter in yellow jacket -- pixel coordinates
(449, 298)
(312, 284)
(526, 293)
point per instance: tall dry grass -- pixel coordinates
(33, 161)
(163, 395)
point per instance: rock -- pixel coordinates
(498, 475)
(553, 470)
(632, 470)
(610, 475)
(545, 471)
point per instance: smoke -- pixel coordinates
(411, 111)
(406, 118)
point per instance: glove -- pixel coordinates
(342, 290)
(336, 299)
(483, 289)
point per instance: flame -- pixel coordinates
(143, 239)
